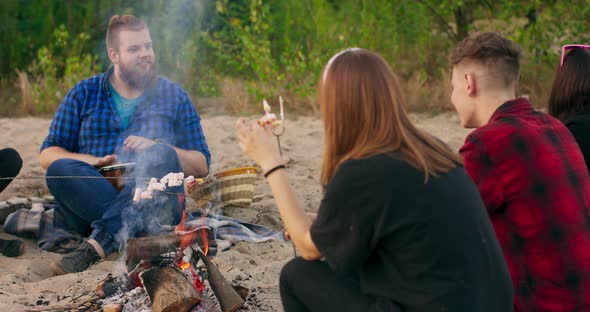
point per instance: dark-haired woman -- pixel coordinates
(570, 94)
(401, 226)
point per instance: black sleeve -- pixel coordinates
(344, 231)
(582, 136)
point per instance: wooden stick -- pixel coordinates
(228, 297)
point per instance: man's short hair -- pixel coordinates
(122, 22)
(492, 50)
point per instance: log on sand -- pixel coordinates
(228, 297)
(151, 248)
(169, 290)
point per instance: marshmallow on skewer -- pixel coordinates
(177, 180)
(146, 195)
(173, 181)
(166, 178)
(137, 194)
(269, 119)
(154, 185)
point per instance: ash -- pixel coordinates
(135, 300)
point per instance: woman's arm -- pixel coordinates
(297, 223)
(260, 145)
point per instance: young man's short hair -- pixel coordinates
(122, 22)
(492, 50)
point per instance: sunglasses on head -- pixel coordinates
(568, 47)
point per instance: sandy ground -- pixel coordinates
(27, 281)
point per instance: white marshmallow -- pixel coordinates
(137, 195)
(146, 195)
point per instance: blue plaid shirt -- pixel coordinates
(87, 122)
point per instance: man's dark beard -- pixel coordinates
(136, 79)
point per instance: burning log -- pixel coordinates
(114, 307)
(229, 299)
(169, 290)
(152, 248)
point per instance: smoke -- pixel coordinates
(150, 217)
(175, 27)
(174, 32)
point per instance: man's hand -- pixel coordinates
(137, 143)
(104, 161)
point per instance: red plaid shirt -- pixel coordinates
(533, 179)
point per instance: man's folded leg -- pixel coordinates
(122, 218)
(81, 193)
(80, 201)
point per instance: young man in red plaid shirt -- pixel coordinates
(531, 176)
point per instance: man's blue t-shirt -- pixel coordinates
(125, 107)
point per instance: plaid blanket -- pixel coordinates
(229, 231)
(39, 221)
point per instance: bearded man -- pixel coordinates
(127, 114)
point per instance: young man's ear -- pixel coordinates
(113, 55)
(471, 83)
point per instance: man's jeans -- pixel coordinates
(92, 205)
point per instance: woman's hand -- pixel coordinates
(259, 144)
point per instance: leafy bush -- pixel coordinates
(277, 47)
(57, 68)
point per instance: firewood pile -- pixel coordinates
(172, 275)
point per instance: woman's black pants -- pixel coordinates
(313, 286)
(10, 165)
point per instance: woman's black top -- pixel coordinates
(579, 126)
(426, 246)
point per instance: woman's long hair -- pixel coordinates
(363, 110)
(571, 85)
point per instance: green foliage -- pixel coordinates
(258, 53)
(57, 68)
(278, 47)
(285, 44)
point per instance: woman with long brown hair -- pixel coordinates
(570, 94)
(401, 226)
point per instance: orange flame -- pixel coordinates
(205, 241)
(187, 239)
(203, 233)
(185, 265)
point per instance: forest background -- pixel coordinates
(234, 52)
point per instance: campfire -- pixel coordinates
(172, 270)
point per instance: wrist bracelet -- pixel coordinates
(274, 169)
